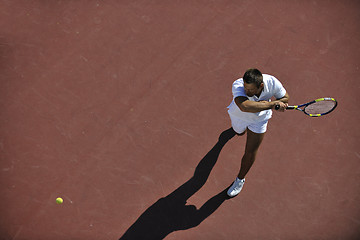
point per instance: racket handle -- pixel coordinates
(277, 106)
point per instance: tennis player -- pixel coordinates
(250, 112)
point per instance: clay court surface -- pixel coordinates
(117, 107)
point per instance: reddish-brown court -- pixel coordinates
(117, 107)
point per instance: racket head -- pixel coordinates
(320, 107)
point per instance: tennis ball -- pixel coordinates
(59, 200)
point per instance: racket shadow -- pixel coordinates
(171, 213)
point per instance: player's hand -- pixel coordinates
(281, 106)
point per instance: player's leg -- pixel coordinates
(255, 136)
(253, 142)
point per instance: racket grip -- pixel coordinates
(277, 106)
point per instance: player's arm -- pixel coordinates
(282, 102)
(284, 99)
(246, 105)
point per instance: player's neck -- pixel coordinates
(259, 94)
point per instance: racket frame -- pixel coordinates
(299, 107)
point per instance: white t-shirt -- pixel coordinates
(272, 87)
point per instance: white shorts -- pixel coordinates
(240, 125)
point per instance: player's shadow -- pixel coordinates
(171, 213)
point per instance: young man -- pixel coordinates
(250, 112)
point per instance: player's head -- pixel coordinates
(253, 76)
(253, 82)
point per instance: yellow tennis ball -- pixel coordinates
(59, 200)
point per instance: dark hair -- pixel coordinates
(253, 75)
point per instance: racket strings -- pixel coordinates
(320, 107)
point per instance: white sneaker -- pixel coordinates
(235, 189)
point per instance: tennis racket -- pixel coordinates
(316, 108)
